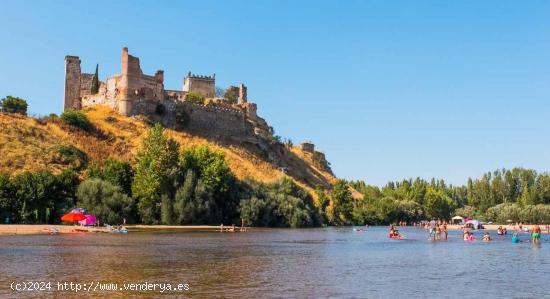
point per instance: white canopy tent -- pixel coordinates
(457, 220)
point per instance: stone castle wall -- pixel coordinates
(211, 121)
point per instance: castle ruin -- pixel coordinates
(132, 90)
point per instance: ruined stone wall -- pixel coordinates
(72, 83)
(86, 84)
(216, 122)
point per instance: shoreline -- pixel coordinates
(45, 229)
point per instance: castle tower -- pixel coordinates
(206, 85)
(243, 94)
(72, 83)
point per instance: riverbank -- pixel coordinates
(38, 229)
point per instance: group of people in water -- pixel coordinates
(437, 230)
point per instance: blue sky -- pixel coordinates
(387, 89)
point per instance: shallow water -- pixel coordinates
(312, 263)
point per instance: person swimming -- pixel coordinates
(468, 236)
(487, 237)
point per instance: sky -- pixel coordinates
(389, 90)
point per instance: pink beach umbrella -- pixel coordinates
(89, 220)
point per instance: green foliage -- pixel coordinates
(281, 204)
(182, 118)
(116, 172)
(209, 193)
(76, 119)
(7, 202)
(342, 204)
(195, 97)
(231, 96)
(95, 81)
(14, 105)
(37, 197)
(155, 174)
(160, 109)
(438, 204)
(514, 212)
(106, 201)
(70, 155)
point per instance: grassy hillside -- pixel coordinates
(31, 144)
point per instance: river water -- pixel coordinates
(267, 263)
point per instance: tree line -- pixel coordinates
(517, 195)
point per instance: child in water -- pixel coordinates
(515, 238)
(486, 237)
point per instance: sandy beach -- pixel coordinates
(34, 229)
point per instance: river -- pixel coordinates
(267, 263)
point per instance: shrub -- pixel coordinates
(76, 119)
(105, 201)
(14, 105)
(160, 109)
(70, 155)
(231, 97)
(195, 97)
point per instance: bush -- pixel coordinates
(160, 109)
(70, 155)
(76, 119)
(105, 201)
(195, 97)
(14, 105)
(231, 97)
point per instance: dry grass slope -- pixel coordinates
(27, 144)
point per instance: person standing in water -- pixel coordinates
(535, 234)
(437, 232)
(444, 230)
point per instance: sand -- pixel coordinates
(34, 229)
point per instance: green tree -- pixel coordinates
(438, 204)
(116, 172)
(156, 173)
(342, 203)
(14, 105)
(195, 97)
(95, 81)
(106, 201)
(7, 204)
(230, 96)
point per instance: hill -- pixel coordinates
(31, 144)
